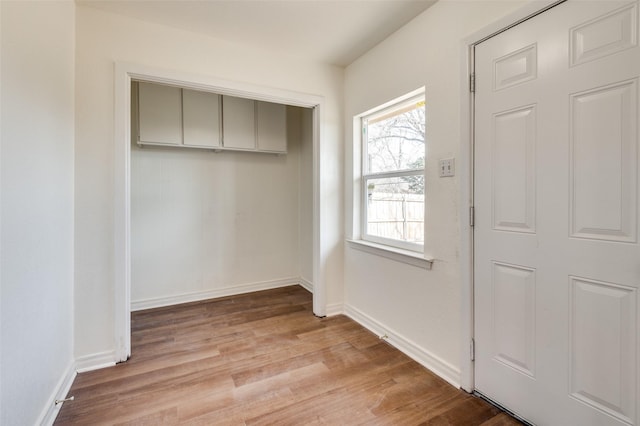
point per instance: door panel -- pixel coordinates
(556, 253)
(603, 163)
(516, 67)
(602, 315)
(513, 151)
(513, 316)
(604, 35)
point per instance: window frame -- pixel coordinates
(366, 175)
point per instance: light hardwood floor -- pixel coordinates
(264, 359)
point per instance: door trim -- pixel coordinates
(124, 73)
(467, 67)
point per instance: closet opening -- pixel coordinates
(220, 191)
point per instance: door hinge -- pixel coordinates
(472, 350)
(472, 82)
(472, 216)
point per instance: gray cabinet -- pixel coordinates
(271, 134)
(201, 119)
(173, 116)
(159, 114)
(254, 125)
(238, 123)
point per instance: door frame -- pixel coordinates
(466, 162)
(125, 72)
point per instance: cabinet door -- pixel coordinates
(272, 127)
(238, 123)
(201, 118)
(160, 114)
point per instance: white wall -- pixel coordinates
(207, 224)
(103, 38)
(420, 306)
(36, 206)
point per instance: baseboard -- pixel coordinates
(306, 284)
(434, 363)
(139, 305)
(95, 361)
(50, 412)
(334, 309)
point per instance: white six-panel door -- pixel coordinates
(556, 241)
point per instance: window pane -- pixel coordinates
(395, 208)
(395, 141)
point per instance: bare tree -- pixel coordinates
(397, 142)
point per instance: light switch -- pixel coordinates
(447, 167)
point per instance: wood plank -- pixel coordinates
(264, 358)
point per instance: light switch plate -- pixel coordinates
(447, 167)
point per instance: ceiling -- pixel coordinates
(330, 31)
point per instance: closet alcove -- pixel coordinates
(221, 195)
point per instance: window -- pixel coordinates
(393, 154)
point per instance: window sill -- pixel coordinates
(399, 255)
